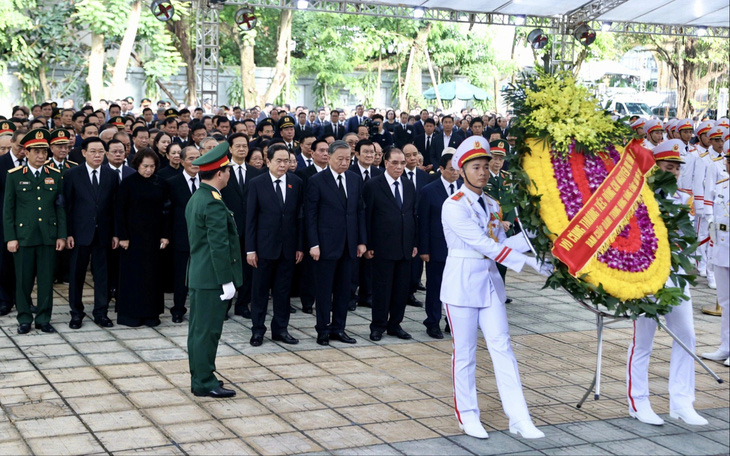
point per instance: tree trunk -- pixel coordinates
(125, 50)
(44, 81)
(180, 30)
(282, 53)
(403, 94)
(248, 70)
(439, 103)
(95, 78)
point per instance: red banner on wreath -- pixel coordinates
(605, 210)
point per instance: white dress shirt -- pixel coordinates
(33, 170)
(89, 170)
(282, 184)
(337, 183)
(187, 180)
(407, 175)
(116, 170)
(369, 169)
(243, 168)
(392, 187)
(446, 185)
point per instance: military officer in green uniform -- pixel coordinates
(59, 151)
(497, 187)
(214, 266)
(34, 221)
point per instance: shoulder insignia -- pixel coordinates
(718, 182)
(704, 155)
(458, 196)
(15, 169)
(717, 158)
(492, 198)
(506, 173)
(54, 169)
(216, 195)
(72, 162)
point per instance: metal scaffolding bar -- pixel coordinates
(206, 50)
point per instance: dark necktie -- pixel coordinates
(451, 188)
(334, 128)
(37, 173)
(428, 143)
(398, 199)
(240, 177)
(119, 171)
(410, 177)
(21, 162)
(309, 162)
(279, 193)
(481, 203)
(94, 182)
(288, 146)
(192, 185)
(367, 175)
(342, 187)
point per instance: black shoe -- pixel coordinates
(45, 327)
(220, 383)
(508, 300)
(217, 393)
(104, 322)
(226, 317)
(420, 286)
(323, 339)
(152, 322)
(292, 309)
(177, 318)
(286, 338)
(366, 303)
(257, 340)
(245, 313)
(435, 333)
(342, 337)
(412, 301)
(376, 335)
(24, 328)
(447, 330)
(75, 323)
(307, 310)
(400, 334)
(352, 306)
(4, 309)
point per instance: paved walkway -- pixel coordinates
(124, 390)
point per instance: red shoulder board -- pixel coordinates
(458, 196)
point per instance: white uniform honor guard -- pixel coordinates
(679, 320)
(473, 292)
(720, 258)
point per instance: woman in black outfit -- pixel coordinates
(143, 227)
(174, 167)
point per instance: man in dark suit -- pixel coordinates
(89, 191)
(449, 136)
(361, 290)
(234, 195)
(420, 126)
(333, 127)
(431, 243)
(274, 222)
(476, 127)
(182, 186)
(355, 121)
(391, 229)
(14, 158)
(418, 178)
(402, 132)
(428, 143)
(302, 127)
(336, 236)
(304, 158)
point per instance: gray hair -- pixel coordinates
(339, 144)
(185, 151)
(207, 139)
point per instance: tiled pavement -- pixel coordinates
(123, 390)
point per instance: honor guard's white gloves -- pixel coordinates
(229, 290)
(544, 269)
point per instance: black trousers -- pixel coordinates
(434, 275)
(391, 283)
(245, 290)
(112, 256)
(306, 281)
(361, 289)
(277, 276)
(80, 256)
(7, 277)
(180, 260)
(416, 273)
(332, 278)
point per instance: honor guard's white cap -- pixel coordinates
(704, 127)
(652, 125)
(669, 151)
(638, 123)
(469, 149)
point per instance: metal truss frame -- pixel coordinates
(206, 50)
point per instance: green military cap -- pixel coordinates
(36, 138)
(56, 113)
(214, 159)
(59, 136)
(286, 122)
(498, 147)
(7, 128)
(118, 122)
(171, 112)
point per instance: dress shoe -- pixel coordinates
(508, 300)
(412, 301)
(342, 337)
(292, 309)
(75, 323)
(717, 355)
(257, 340)
(45, 327)
(526, 429)
(217, 393)
(104, 322)
(323, 339)
(220, 383)
(646, 415)
(307, 310)
(245, 313)
(474, 430)
(177, 318)
(4, 309)
(420, 287)
(400, 334)
(447, 329)
(376, 335)
(23, 328)
(352, 306)
(689, 416)
(435, 333)
(286, 338)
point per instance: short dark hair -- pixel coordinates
(254, 150)
(429, 121)
(444, 160)
(476, 120)
(390, 151)
(147, 152)
(169, 120)
(91, 140)
(77, 115)
(87, 125)
(307, 134)
(183, 111)
(114, 105)
(274, 148)
(447, 116)
(139, 130)
(196, 126)
(248, 120)
(236, 136)
(316, 143)
(377, 116)
(217, 120)
(362, 142)
(113, 141)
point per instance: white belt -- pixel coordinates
(466, 253)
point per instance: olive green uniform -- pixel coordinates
(65, 166)
(34, 215)
(215, 259)
(497, 187)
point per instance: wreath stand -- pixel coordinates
(605, 319)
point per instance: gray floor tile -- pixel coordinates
(497, 443)
(691, 443)
(594, 431)
(636, 447)
(440, 446)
